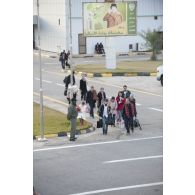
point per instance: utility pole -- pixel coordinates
(71, 61)
(41, 88)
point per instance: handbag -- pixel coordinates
(99, 123)
(136, 123)
(109, 119)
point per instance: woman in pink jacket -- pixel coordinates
(120, 104)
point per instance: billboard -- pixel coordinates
(110, 19)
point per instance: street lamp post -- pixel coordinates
(41, 88)
(71, 61)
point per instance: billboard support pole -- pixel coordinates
(110, 53)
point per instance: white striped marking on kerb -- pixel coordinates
(120, 188)
(133, 159)
(159, 110)
(96, 143)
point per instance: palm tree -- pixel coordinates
(153, 40)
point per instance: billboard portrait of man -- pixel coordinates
(113, 17)
(109, 19)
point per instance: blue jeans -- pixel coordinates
(113, 119)
(91, 109)
(105, 126)
(119, 113)
(63, 64)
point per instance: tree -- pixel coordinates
(154, 41)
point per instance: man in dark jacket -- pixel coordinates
(128, 115)
(101, 97)
(83, 88)
(105, 113)
(97, 48)
(125, 93)
(101, 48)
(62, 59)
(72, 116)
(66, 59)
(67, 81)
(91, 100)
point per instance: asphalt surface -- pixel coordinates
(76, 168)
(83, 169)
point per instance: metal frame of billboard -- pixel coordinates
(107, 34)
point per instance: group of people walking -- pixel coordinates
(64, 57)
(118, 111)
(115, 111)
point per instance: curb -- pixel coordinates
(63, 133)
(106, 74)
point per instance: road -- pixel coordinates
(97, 164)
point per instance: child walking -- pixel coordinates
(82, 110)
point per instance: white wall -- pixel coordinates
(53, 35)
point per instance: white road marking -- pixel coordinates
(89, 61)
(137, 104)
(61, 85)
(133, 159)
(52, 63)
(38, 79)
(116, 86)
(160, 110)
(120, 188)
(51, 99)
(96, 143)
(55, 100)
(47, 81)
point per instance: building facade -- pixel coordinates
(60, 25)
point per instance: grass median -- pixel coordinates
(54, 122)
(122, 67)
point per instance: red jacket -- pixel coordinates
(120, 103)
(134, 107)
